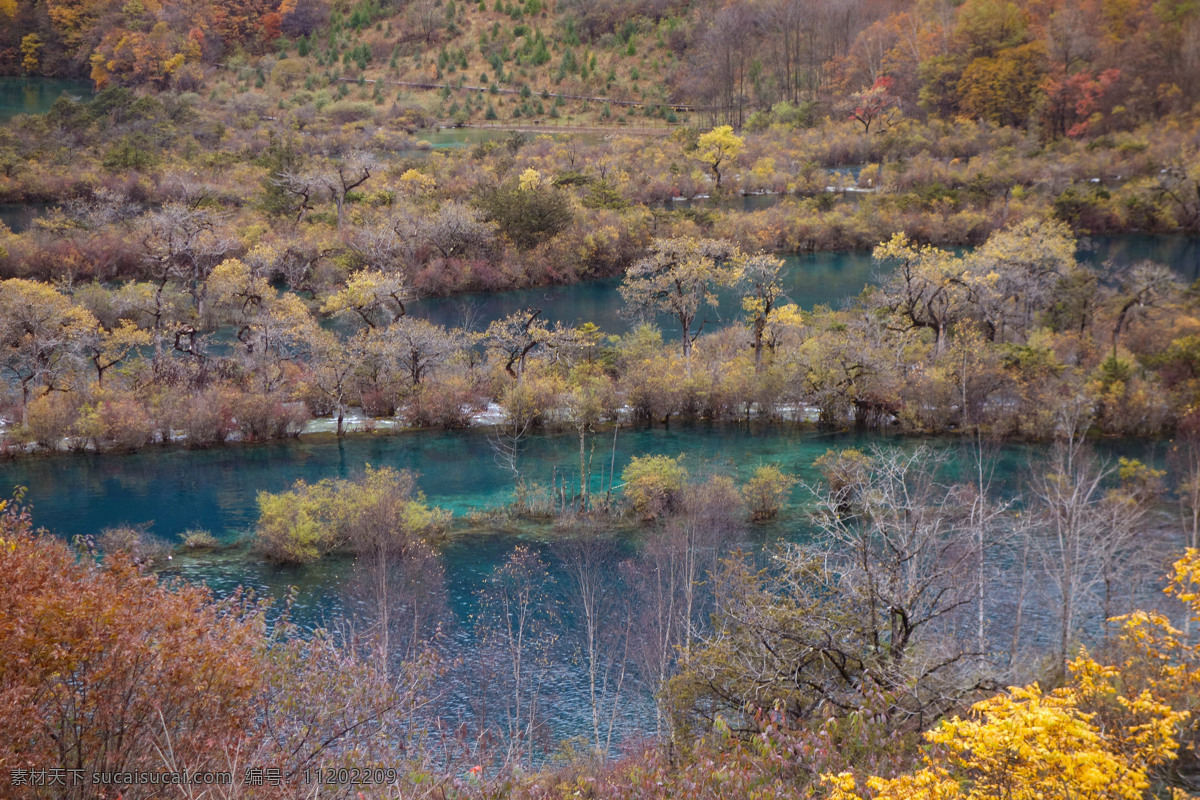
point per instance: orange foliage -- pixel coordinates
(95, 663)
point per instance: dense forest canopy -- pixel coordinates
(1069, 67)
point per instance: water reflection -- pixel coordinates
(174, 490)
(811, 279)
(36, 95)
(20, 216)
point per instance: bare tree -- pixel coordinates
(508, 441)
(400, 583)
(1071, 40)
(386, 244)
(426, 19)
(603, 627)
(42, 336)
(905, 540)
(459, 231)
(420, 346)
(332, 369)
(274, 329)
(516, 624)
(762, 288)
(1179, 184)
(791, 22)
(585, 405)
(1142, 287)
(156, 306)
(679, 278)
(334, 181)
(924, 291)
(323, 704)
(1012, 278)
(670, 589)
(878, 606)
(515, 337)
(655, 584)
(185, 243)
(1186, 457)
(1087, 534)
(104, 208)
(724, 59)
(375, 297)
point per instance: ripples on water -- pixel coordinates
(175, 490)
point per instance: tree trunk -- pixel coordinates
(584, 477)
(1068, 623)
(1016, 636)
(340, 202)
(759, 325)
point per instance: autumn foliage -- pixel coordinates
(106, 668)
(1111, 732)
(103, 666)
(1059, 68)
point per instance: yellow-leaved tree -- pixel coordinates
(1107, 734)
(31, 47)
(719, 146)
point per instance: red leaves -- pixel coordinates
(1073, 99)
(874, 104)
(270, 26)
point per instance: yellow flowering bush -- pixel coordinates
(1099, 737)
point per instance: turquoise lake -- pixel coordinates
(174, 489)
(810, 279)
(36, 95)
(171, 490)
